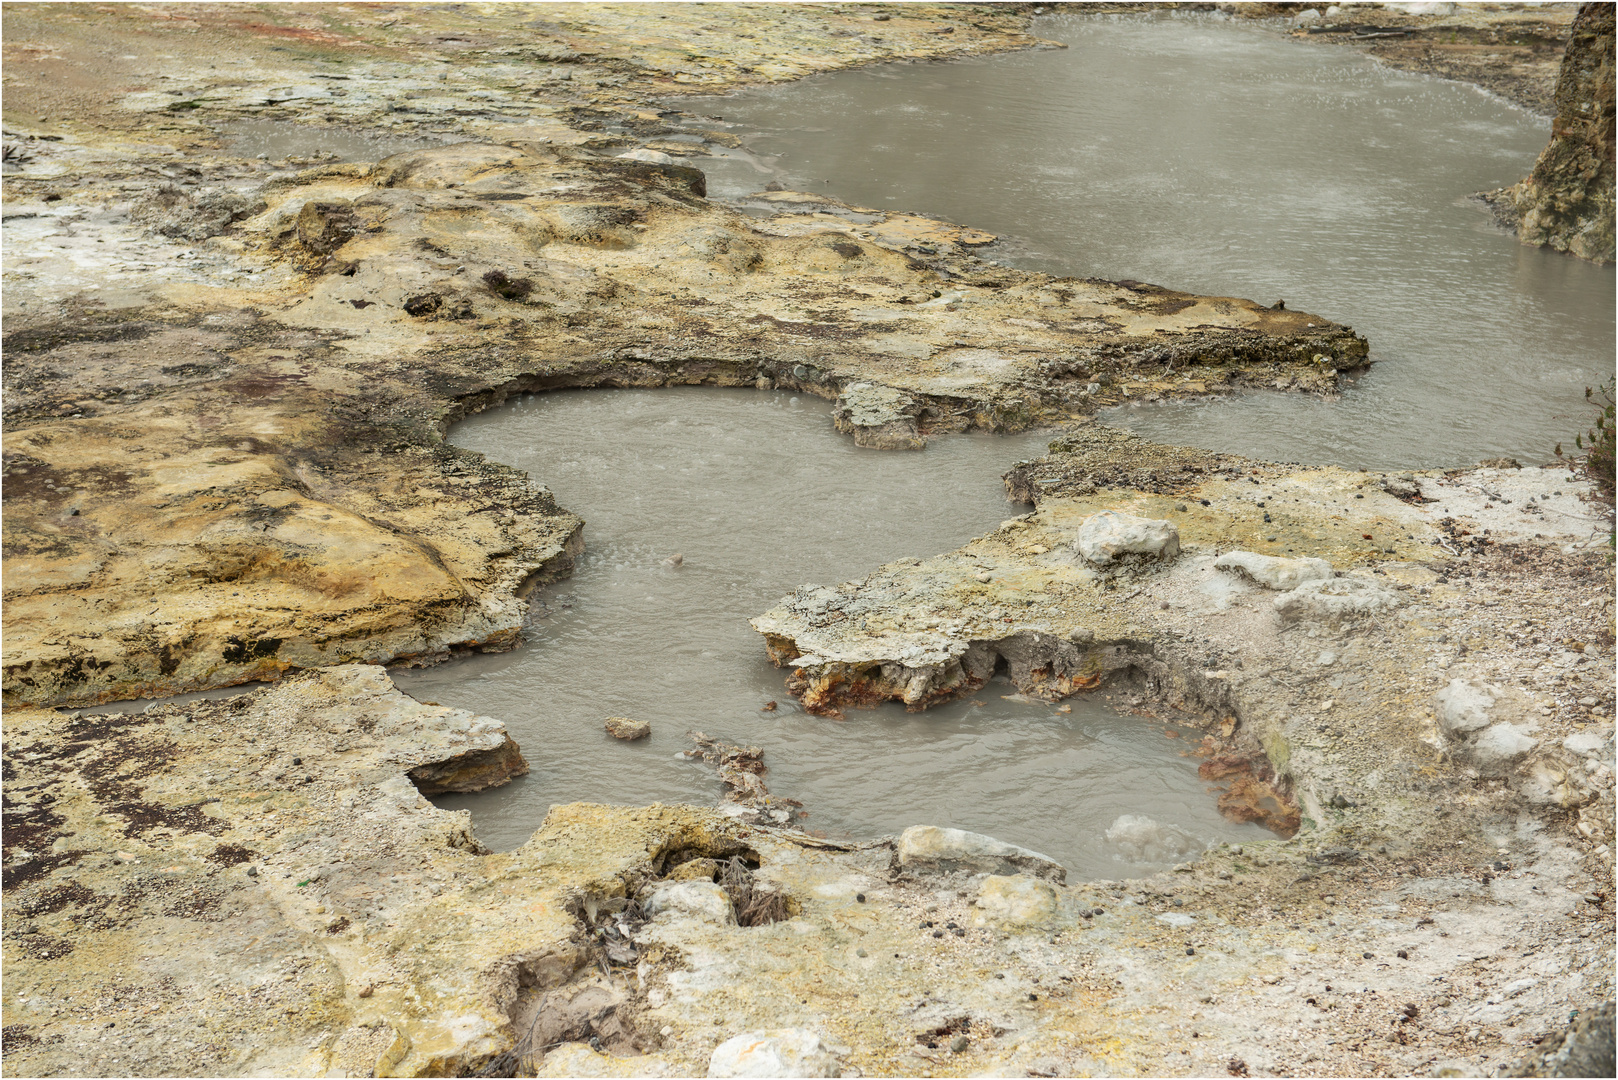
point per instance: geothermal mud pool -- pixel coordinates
(230, 385)
(759, 494)
(1309, 175)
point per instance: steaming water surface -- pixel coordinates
(760, 495)
(1218, 158)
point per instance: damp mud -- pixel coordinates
(1362, 212)
(756, 493)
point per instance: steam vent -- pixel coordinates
(847, 539)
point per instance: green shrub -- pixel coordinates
(1597, 442)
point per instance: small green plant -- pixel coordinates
(1598, 442)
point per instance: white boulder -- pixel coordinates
(1275, 573)
(781, 1052)
(1498, 746)
(1462, 707)
(656, 157)
(1105, 536)
(926, 847)
(703, 900)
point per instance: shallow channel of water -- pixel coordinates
(1218, 158)
(760, 495)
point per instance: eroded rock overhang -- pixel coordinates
(1308, 619)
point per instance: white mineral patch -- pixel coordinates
(1016, 900)
(1335, 602)
(1275, 573)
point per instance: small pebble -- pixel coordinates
(958, 1044)
(1402, 954)
(1190, 951)
(1367, 956)
(859, 898)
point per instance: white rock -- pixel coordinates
(1105, 536)
(1176, 918)
(656, 157)
(1462, 707)
(781, 1052)
(1422, 8)
(1499, 745)
(1335, 602)
(1306, 17)
(1589, 741)
(1275, 573)
(702, 899)
(927, 847)
(1018, 900)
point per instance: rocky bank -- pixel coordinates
(1567, 202)
(228, 379)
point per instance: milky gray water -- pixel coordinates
(760, 495)
(1211, 156)
(1194, 152)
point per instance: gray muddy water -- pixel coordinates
(759, 494)
(1214, 157)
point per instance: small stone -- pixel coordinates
(1189, 951)
(622, 727)
(674, 560)
(1366, 955)
(859, 898)
(860, 952)
(958, 1044)
(1402, 954)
